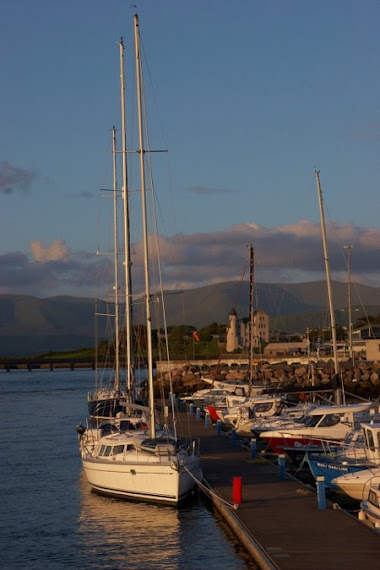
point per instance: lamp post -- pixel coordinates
(349, 248)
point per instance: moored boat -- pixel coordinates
(324, 423)
(370, 509)
(143, 462)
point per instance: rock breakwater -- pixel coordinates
(360, 379)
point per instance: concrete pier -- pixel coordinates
(278, 521)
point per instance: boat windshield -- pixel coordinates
(323, 421)
(301, 420)
(312, 421)
(263, 407)
(373, 499)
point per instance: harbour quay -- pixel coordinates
(279, 521)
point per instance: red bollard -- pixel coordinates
(237, 490)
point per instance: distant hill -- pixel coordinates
(30, 325)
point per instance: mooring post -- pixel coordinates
(253, 447)
(198, 414)
(237, 493)
(321, 492)
(234, 437)
(219, 427)
(207, 419)
(281, 466)
(191, 409)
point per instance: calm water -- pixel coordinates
(49, 517)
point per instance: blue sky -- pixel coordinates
(248, 97)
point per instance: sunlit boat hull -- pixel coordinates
(144, 481)
(358, 485)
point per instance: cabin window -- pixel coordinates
(117, 449)
(101, 452)
(107, 451)
(373, 498)
(130, 447)
(371, 442)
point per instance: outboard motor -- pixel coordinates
(81, 429)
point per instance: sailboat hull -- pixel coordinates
(144, 481)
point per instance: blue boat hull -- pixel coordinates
(330, 467)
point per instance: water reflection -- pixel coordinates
(121, 534)
(127, 534)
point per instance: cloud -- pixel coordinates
(56, 251)
(285, 254)
(13, 179)
(73, 274)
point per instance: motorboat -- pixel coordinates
(324, 423)
(370, 509)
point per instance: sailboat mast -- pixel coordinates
(127, 240)
(116, 263)
(141, 152)
(251, 314)
(338, 394)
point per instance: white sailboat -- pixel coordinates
(143, 464)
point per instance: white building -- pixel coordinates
(238, 331)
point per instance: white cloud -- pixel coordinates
(56, 251)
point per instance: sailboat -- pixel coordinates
(148, 464)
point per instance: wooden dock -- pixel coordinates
(279, 521)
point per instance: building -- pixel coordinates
(238, 331)
(280, 349)
(372, 350)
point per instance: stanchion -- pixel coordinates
(321, 492)
(237, 494)
(198, 414)
(191, 409)
(219, 427)
(207, 419)
(234, 437)
(281, 466)
(253, 448)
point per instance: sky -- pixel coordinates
(248, 98)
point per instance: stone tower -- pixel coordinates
(232, 333)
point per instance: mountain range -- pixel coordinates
(31, 325)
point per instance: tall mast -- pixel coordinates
(349, 248)
(127, 240)
(116, 264)
(251, 314)
(338, 393)
(141, 152)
